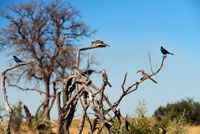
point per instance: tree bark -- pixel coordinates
(47, 98)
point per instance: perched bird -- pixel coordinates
(164, 51)
(79, 71)
(17, 60)
(105, 77)
(99, 43)
(146, 76)
(89, 72)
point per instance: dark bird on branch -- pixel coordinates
(105, 77)
(164, 51)
(99, 43)
(17, 60)
(89, 72)
(146, 76)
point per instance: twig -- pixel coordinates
(150, 63)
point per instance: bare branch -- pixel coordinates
(28, 89)
(5, 99)
(122, 86)
(150, 63)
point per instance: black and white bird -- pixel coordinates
(105, 77)
(17, 60)
(164, 51)
(99, 43)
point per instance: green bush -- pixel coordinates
(191, 108)
(144, 125)
(17, 117)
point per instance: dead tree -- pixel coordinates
(5, 97)
(79, 87)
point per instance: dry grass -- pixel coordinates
(193, 129)
(75, 124)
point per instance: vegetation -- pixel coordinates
(145, 125)
(188, 106)
(17, 117)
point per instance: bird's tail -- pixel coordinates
(107, 45)
(171, 53)
(109, 84)
(153, 80)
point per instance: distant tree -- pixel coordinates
(17, 117)
(189, 106)
(44, 34)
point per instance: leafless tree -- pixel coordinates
(44, 34)
(80, 88)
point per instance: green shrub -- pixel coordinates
(144, 125)
(191, 108)
(17, 117)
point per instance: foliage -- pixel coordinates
(176, 126)
(17, 117)
(191, 108)
(145, 125)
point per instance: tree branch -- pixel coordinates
(5, 98)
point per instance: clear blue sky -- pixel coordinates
(133, 28)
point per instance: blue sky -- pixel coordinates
(133, 28)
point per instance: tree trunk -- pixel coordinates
(28, 117)
(47, 99)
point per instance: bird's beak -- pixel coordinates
(139, 71)
(100, 71)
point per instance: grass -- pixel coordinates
(75, 124)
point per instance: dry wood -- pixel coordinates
(5, 97)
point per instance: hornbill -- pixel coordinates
(146, 76)
(105, 77)
(164, 51)
(99, 43)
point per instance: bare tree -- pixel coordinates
(44, 34)
(5, 96)
(81, 88)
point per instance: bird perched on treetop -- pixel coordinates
(99, 43)
(105, 77)
(146, 76)
(17, 60)
(164, 51)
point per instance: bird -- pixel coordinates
(17, 60)
(89, 72)
(146, 76)
(105, 77)
(99, 43)
(164, 51)
(79, 71)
